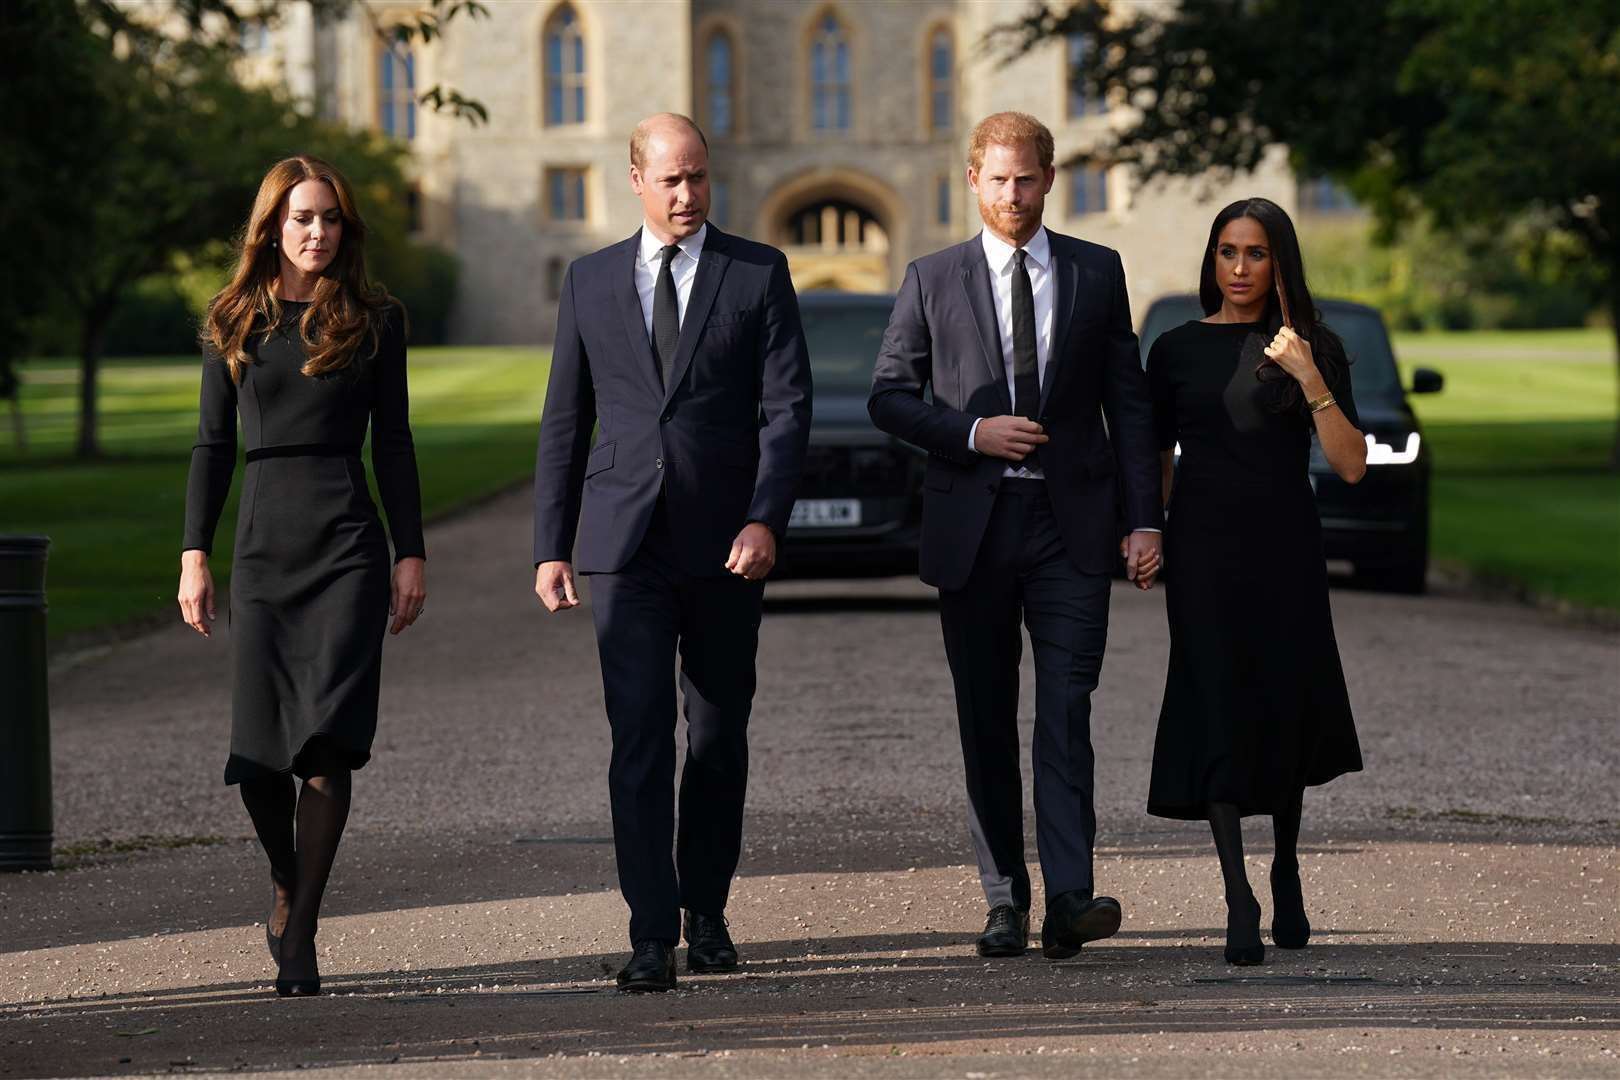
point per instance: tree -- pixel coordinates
(1477, 114)
(126, 141)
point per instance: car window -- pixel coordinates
(1373, 375)
(843, 343)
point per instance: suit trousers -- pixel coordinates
(646, 614)
(1022, 572)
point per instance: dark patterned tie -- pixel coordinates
(666, 315)
(1026, 372)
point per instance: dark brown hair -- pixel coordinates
(347, 307)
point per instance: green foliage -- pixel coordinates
(1521, 277)
(473, 412)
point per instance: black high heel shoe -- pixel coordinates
(1290, 928)
(304, 987)
(272, 940)
(1243, 945)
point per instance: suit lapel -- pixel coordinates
(712, 263)
(635, 323)
(981, 302)
(1066, 286)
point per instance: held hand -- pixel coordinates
(753, 553)
(196, 592)
(1009, 437)
(1141, 551)
(554, 585)
(1293, 354)
(410, 592)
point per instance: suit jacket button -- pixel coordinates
(658, 463)
(990, 488)
(667, 417)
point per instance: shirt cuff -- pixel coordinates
(971, 431)
(1147, 530)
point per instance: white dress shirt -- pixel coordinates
(683, 268)
(1038, 263)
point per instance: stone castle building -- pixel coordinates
(837, 130)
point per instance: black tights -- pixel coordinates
(300, 831)
(1227, 825)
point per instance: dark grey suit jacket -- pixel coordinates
(725, 443)
(943, 335)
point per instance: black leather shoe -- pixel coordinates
(1073, 918)
(1006, 932)
(709, 948)
(651, 969)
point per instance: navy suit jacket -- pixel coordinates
(724, 444)
(943, 334)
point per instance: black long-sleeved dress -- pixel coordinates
(1255, 707)
(310, 578)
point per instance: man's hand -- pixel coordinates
(1009, 437)
(1142, 560)
(554, 585)
(753, 553)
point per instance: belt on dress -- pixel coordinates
(304, 450)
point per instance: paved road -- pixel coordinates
(1465, 886)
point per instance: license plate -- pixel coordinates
(825, 514)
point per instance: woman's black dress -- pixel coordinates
(310, 578)
(1255, 707)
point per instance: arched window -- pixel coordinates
(719, 84)
(941, 80)
(396, 91)
(829, 76)
(564, 68)
(837, 225)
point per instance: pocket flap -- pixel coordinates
(601, 458)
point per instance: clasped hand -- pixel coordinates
(1141, 552)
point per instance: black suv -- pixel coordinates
(859, 512)
(1381, 525)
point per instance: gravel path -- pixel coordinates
(1464, 887)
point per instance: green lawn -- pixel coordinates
(115, 524)
(1521, 436)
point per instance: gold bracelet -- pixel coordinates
(1318, 404)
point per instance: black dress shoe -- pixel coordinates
(1290, 928)
(651, 968)
(1006, 932)
(1073, 918)
(1243, 945)
(709, 948)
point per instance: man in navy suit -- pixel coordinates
(683, 345)
(1025, 337)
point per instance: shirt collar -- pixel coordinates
(999, 253)
(692, 245)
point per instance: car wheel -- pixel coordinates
(1408, 577)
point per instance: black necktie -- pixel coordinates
(666, 315)
(1026, 373)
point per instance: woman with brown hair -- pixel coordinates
(1255, 708)
(308, 352)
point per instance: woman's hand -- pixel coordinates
(410, 592)
(196, 591)
(1292, 353)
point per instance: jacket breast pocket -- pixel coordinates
(725, 318)
(601, 459)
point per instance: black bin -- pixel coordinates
(25, 716)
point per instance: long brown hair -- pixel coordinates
(347, 307)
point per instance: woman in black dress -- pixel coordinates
(1255, 708)
(307, 351)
